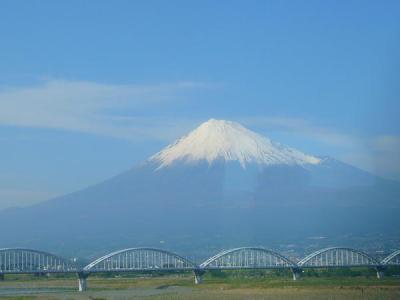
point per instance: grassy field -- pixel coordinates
(216, 285)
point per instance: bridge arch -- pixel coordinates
(247, 258)
(392, 259)
(140, 259)
(23, 260)
(338, 257)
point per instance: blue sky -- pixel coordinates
(90, 88)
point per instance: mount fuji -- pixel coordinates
(218, 186)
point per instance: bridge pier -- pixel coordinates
(296, 273)
(198, 276)
(380, 272)
(82, 281)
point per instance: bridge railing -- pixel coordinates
(22, 260)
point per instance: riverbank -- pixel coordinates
(181, 286)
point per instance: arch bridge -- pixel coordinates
(136, 259)
(29, 261)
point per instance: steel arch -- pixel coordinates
(392, 259)
(136, 259)
(243, 258)
(24, 260)
(339, 257)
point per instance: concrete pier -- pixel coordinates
(296, 273)
(198, 276)
(82, 281)
(380, 272)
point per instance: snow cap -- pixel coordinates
(230, 141)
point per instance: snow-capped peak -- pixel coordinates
(230, 141)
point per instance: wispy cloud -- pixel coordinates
(378, 154)
(92, 107)
(305, 128)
